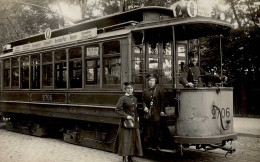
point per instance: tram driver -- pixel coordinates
(194, 76)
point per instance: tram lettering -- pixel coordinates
(60, 39)
(47, 42)
(73, 36)
(46, 97)
(220, 112)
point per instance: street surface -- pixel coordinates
(16, 147)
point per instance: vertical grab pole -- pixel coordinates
(220, 51)
(143, 59)
(175, 61)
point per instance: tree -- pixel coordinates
(21, 19)
(244, 12)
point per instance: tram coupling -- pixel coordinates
(229, 148)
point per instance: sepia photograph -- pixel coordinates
(129, 80)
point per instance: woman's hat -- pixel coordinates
(129, 83)
(150, 76)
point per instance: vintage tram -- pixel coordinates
(69, 80)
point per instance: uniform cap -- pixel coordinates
(192, 54)
(129, 83)
(150, 76)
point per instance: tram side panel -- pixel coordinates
(205, 115)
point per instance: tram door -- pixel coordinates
(159, 61)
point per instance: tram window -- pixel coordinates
(138, 52)
(60, 69)
(6, 73)
(47, 57)
(75, 67)
(47, 70)
(153, 48)
(47, 75)
(138, 70)
(167, 71)
(92, 72)
(167, 48)
(92, 65)
(35, 71)
(181, 51)
(111, 47)
(25, 72)
(153, 63)
(112, 63)
(112, 72)
(15, 72)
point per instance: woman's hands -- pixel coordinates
(129, 117)
(146, 109)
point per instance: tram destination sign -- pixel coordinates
(85, 34)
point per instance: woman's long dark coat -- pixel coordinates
(128, 141)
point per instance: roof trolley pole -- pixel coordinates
(220, 51)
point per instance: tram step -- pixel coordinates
(88, 142)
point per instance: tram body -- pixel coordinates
(70, 83)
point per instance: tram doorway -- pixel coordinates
(159, 56)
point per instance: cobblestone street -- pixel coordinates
(16, 147)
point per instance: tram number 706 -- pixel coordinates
(216, 112)
(46, 97)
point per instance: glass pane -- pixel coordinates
(15, 62)
(92, 72)
(47, 57)
(6, 64)
(112, 70)
(35, 72)
(25, 61)
(167, 48)
(6, 78)
(60, 55)
(138, 50)
(75, 74)
(153, 63)
(111, 47)
(15, 77)
(153, 49)
(35, 59)
(181, 50)
(167, 71)
(47, 75)
(153, 66)
(75, 53)
(25, 77)
(138, 69)
(61, 75)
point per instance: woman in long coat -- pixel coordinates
(128, 141)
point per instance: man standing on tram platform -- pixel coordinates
(190, 74)
(153, 108)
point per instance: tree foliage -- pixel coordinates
(243, 13)
(21, 19)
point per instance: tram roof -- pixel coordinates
(186, 28)
(135, 15)
(189, 27)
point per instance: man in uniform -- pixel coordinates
(190, 74)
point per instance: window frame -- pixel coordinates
(112, 55)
